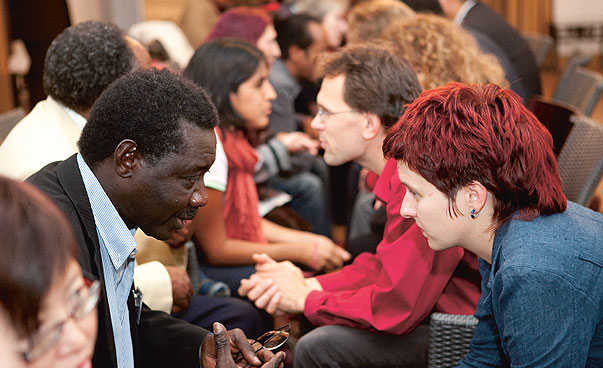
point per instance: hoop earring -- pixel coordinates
(473, 214)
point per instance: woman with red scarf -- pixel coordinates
(230, 229)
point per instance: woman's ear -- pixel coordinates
(473, 198)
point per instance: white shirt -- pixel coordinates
(462, 13)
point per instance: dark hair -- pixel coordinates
(375, 80)
(83, 60)
(148, 107)
(220, 67)
(36, 246)
(293, 31)
(457, 134)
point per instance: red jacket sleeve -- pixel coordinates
(363, 271)
(400, 288)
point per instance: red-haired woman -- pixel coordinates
(480, 173)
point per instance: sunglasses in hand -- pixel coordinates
(270, 340)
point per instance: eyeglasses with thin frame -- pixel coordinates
(270, 340)
(326, 115)
(81, 302)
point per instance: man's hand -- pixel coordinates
(218, 349)
(298, 141)
(277, 287)
(182, 289)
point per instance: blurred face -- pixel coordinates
(339, 127)
(424, 203)
(307, 60)
(252, 100)
(335, 25)
(74, 344)
(168, 193)
(268, 45)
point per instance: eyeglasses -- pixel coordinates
(325, 115)
(81, 303)
(270, 340)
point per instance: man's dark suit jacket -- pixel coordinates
(159, 340)
(485, 20)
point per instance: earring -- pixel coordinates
(473, 214)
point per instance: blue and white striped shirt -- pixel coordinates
(118, 249)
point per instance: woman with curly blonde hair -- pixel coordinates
(441, 52)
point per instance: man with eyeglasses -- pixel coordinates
(372, 311)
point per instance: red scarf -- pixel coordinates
(241, 216)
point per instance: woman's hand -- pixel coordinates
(324, 255)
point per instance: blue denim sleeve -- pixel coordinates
(543, 319)
(485, 347)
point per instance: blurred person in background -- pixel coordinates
(475, 15)
(230, 229)
(285, 149)
(331, 14)
(253, 25)
(441, 52)
(368, 19)
(47, 307)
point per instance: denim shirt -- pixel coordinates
(542, 296)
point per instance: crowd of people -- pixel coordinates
(141, 179)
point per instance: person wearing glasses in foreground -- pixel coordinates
(46, 305)
(480, 174)
(371, 312)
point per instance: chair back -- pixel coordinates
(581, 160)
(449, 339)
(575, 61)
(540, 45)
(556, 118)
(582, 90)
(8, 120)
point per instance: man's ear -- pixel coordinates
(371, 126)
(126, 158)
(472, 197)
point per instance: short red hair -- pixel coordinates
(243, 22)
(457, 134)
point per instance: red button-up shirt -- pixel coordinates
(395, 289)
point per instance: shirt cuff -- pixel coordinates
(313, 302)
(154, 281)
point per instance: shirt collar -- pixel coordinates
(462, 13)
(78, 119)
(117, 238)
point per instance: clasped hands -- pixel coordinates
(277, 287)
